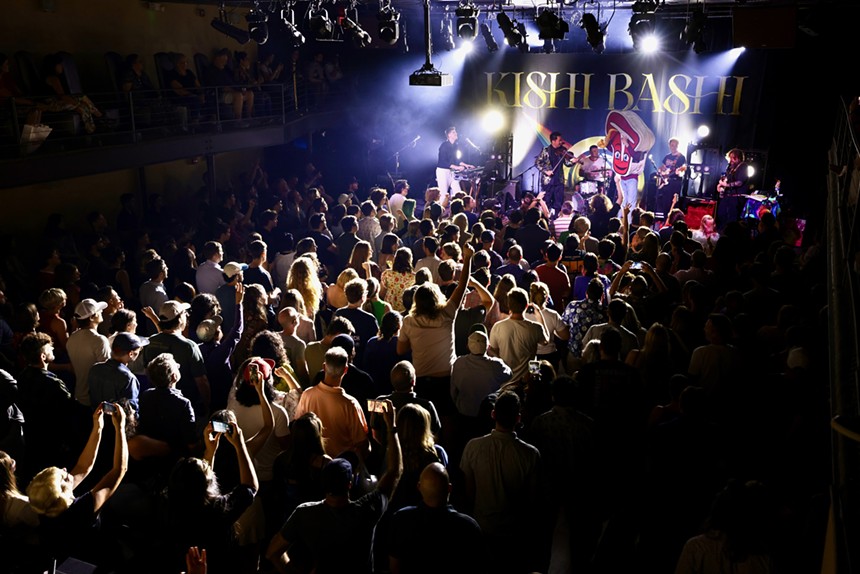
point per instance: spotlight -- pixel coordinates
(492, 46)
(360, 38)
(231, 31)
(551, 26)
(467, 20)
(641, 25)
(321, 26)
(594, 34)
(703, 131)
(694, 30)
(258, 29)
(389, 24)
(524, 45)
(295, 37)
(447, 35)
(513, 36)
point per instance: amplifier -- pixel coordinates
(697, 209)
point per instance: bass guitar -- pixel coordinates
(665, 172)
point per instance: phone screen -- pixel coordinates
(636, 265)
(534, 367)
(108, 408)
(219, 426)
(376, 406)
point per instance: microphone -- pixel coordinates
(468, 141)
(415, 140)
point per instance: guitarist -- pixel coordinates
(549, 162)
(731, 188)
(669, 177)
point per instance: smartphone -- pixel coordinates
(636, 265)
(108, 408)
(376, 406)
(534, 367)
(220, 426)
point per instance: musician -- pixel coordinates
(594, 169)
(731, 188)
(549, 162)
(448, 163)
(670, 177)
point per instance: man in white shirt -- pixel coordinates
(515, 340)
(86, 347)
(395, 202)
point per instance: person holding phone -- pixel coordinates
(68, 521)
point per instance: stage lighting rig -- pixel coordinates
(594, 33)
(467, 20)
(428, 75)
(360, 38)
(295, 38)
(489, 39)
(388, 29)
(509, 27)
(550, 26)
(641, 21)
(694, 30)
(319, 23)
(447, 34)
(258, 28)
(222, 25)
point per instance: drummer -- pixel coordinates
(595, 171)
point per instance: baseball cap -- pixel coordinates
(265, 366)
(89, 307)
(126, 342)
(232, 268)
(170, 310)
(345, 342)
(478, 343)
(336, 476)
(208, 328)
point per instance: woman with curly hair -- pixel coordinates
(203, 306)
(256, 319)
(398, 279)
(304, 277)
(270, 346)
(360, 260)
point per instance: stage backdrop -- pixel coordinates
(673, 94)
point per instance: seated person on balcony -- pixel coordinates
(135, 79)
(246, 77)
(185, 87)
(9, 89)
(218, 76)
(60, 99)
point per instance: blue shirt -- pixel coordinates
(111, 381)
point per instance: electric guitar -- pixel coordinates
(665, 172)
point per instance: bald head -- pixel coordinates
(434, 485)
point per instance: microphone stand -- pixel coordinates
(396, 155)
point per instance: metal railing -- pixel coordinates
(137, 116)
(841, 551)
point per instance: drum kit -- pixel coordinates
(596, 183)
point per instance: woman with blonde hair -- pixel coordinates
(51, 303)
(707, 234)
(500, 294)
(15, 507)
(304, 277)
(305, 330)
(360, 261)
(654, 363)
(334, 294)
(398, 279)
(67, 521)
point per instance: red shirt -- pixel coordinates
(557, 281)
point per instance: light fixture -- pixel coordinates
(594, 34)
(694, 30)
(641, 22)
(512, 35)
(492, 46)
(258, 29)
(521, 28)
(220, 23)
(359, 36)
(295, 37)
(550, 26)
(320, 25)
(467, 20)
(388, 29)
